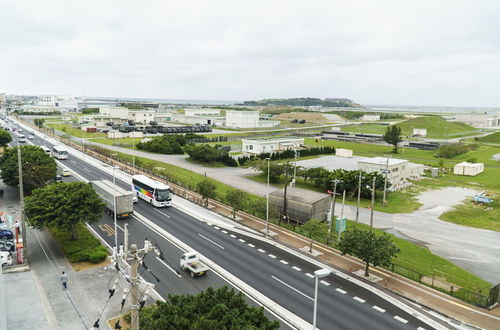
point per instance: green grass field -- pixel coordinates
(494, 138)
(68, 129)
(437, 127)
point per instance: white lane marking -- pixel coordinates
(162, 213)
(339, 290)
(216, 227)
(251, 245)
(324, 283)
(225, 232)
(400, 319)
(296, 268)
(291, 287)
(272, 256)
(241, 240)
(166, 265)
(208, 239)
(420, 328)
(86, 169)
(284, 262)
(381, 310)
(261, 251)
(359, 299)
(208, 223)
(310, 275)
(233, 236)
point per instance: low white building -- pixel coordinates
(115, 112)
(370, 117)
(478, 120)
(202, 112)
(469, 169)
(141, 116)
(259, 146)
(343, 152)
(399, 171)
(242, 119)
(422, 132)
(102, 120)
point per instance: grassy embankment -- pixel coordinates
(411, 255)
(437, 127)
(70, 130)
(492, 138)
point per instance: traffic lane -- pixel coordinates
(261, 278)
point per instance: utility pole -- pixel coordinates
(285, 215)
(21, 198)
(332, 208)
(359, 197)
(134, 292)
(295, 169)
(267, 196)
(385, 180)
(373, 202)
(341, 218)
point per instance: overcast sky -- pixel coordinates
(374, 52)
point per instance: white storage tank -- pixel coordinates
(343, 152)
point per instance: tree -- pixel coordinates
(236, 199)
(63, 206)
(314, 229)
(206, 189)
(393, 136)
(38, 168)
(5, 137)
(364, 244)
(39, 122)
(223, 308)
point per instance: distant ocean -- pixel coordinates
(375, 107)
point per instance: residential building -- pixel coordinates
(399, 171)
(269, 145)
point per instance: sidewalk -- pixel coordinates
(33, 298)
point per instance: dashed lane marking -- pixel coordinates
(208, 239)
(420, 328)
(339, 290)
(208, 223)
(241, 240)
(225, 232)
(310, 275)
(272, 256)
(400, 319)
(284, 262)
(216, 227)
(324, 282)
(291, 287)
(251, 245)
(359, 299)
(381, 310)
(261, 251)
(233, 236)
(296, 268)
(162, 213)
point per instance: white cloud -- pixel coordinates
(425, 52)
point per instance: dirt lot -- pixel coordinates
(309, 117)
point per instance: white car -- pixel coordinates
(5, 259)
(65, 172)
(31, 137)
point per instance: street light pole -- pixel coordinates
(332, 209)
(373, 202)
(133, 153)
(385, 180)
(341, 217)
(359, 196)
(114, 209)
(21, 198)
(317, 274)
(267, 197)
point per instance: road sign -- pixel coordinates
(337, 224)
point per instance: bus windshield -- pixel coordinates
(162, 195)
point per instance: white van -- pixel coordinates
(21, 138)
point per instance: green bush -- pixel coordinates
(87, 248)
(452, 150)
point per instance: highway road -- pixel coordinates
(282, 276)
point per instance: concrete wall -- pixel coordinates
(242, 119)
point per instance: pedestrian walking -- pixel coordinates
(1, 193)
(64, 280)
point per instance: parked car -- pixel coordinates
(6, 234)
(5, 259)
(65, 172)
(58, 178)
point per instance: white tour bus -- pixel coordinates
(155, 193)
(59, 152)
(21, 138)
(46, 150)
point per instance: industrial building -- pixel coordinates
(469, 169)
(478, 120)
(302, 204)
(399, 171)
(258, 146)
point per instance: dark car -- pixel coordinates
(302, 121)
(6, 234)
(7, 246)
(295, 121)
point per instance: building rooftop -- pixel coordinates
(383, 161)
(300, 195)
(283, 138)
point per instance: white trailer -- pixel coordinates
(191, 263)
(124, 198)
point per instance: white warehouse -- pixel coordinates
(399, 171)
(259, 146)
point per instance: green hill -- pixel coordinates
(435, 125)
(495, 138)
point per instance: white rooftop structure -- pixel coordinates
(259, 146)
(398, 171)
(469, 169)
